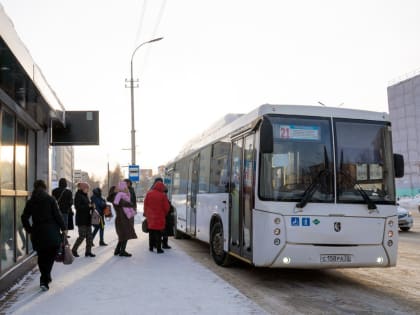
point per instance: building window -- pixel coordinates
(7, 150)
(20, 158)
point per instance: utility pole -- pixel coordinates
(131, 86)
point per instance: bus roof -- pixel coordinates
(233, 123)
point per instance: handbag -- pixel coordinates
(96, 217)
(68, 257)
(107, 212)
(144, 226)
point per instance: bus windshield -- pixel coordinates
(301, 165)
(301, 157)
(364, 160)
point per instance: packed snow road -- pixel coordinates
(337, 291)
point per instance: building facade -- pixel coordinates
(62, 165)
(27, 107)
(404, 112)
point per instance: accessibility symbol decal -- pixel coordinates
(295, 221)
(306, 221)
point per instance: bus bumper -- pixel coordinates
(318, 257)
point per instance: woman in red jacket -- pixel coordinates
(156, 206)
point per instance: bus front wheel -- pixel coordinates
(220, 257)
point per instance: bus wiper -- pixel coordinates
(313, 187)
(371, 205)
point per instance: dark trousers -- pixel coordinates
(155, 239)
(66, 219)
(85, 232)
(164, 238)
(99, 228)
(45, 263)
(120, 248)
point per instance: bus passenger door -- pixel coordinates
(193, 169)
(248, 194)
(235, 197)
(242, 196)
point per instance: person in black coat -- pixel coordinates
(47, 221)
(100, 205)
(83, 219)
(64, 199)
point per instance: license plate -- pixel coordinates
(336, 258)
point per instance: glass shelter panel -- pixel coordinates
(7, 239)
(21, 240)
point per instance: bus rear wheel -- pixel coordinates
(220, 257)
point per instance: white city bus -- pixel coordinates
(291, 187)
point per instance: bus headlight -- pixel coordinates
(391, 223)
(277, 220)
(390, 243)
(277, 241)
(277, 231)
(380, 260)
(286, 260)
(390, 233)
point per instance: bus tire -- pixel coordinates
(220, 257)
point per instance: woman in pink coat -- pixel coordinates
(156, 206)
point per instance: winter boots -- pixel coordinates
(120, 250)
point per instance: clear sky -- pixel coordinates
(217, 57)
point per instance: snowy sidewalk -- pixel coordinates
(147, 283)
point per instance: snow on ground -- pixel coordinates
(147, 283)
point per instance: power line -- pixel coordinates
(141, 20)
(155, 29)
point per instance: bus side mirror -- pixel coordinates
(398, 165)
(266, 136)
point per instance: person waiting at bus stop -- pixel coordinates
(64, 199)
(124, 221)
(83, 220)
(44, 229)
(156, 207)
(100, 205)
(169, 220)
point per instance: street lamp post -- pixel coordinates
(133, 131)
